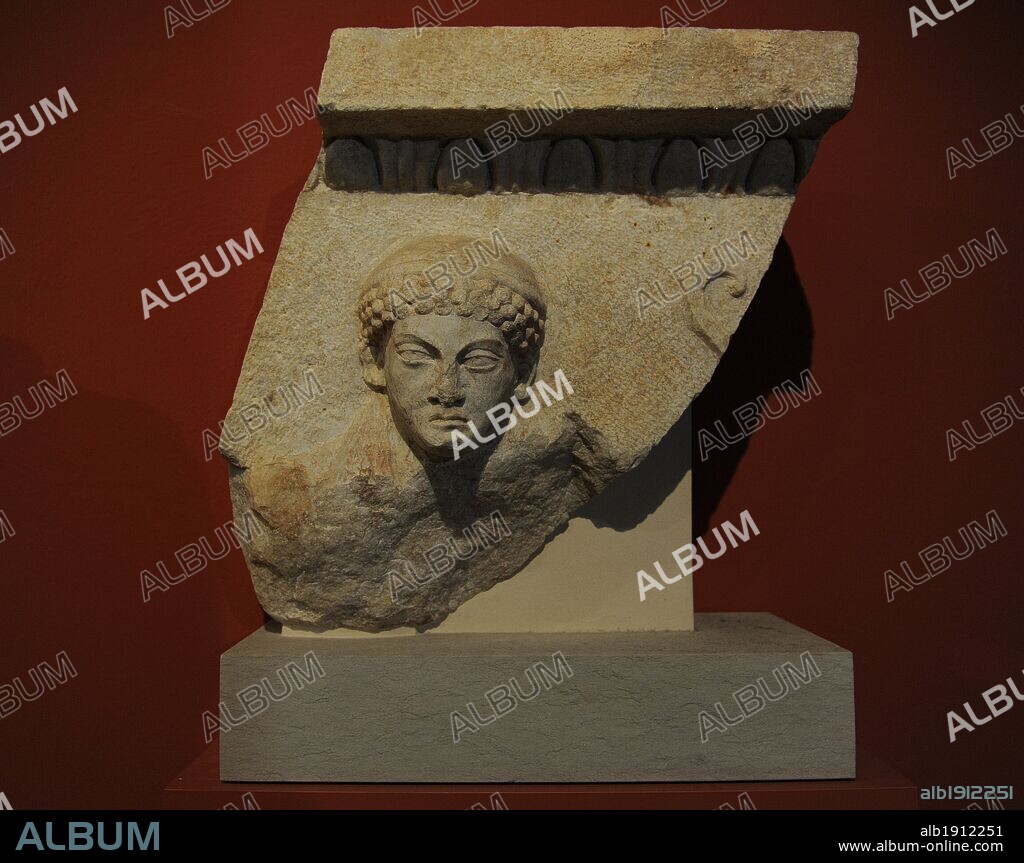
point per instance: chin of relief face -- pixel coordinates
(503, 416)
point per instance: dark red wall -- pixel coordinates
(108, 483)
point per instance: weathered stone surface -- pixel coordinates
(466, 179)
(350, 166)
(678, 169)
(521, 168)
(774, 169)
(420, 312)
(630, 82)
(382, 711)
(570, 167)
(343, 495)
(581, 581)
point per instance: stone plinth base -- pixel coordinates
(572, 707)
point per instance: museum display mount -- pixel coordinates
(518, 259)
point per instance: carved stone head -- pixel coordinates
(451, 327)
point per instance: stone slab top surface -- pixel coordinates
(448, 80)
(719, 634)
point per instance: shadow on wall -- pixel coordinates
(629, 498)
(773, 344)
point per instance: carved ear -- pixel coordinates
(526, 372)
(373, 372)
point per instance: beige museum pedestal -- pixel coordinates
(607, 706)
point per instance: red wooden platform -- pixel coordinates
(877, 786)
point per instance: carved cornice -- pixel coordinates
(653, 166)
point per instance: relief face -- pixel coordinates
(443, 373)
(448, 340)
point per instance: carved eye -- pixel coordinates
(413, 355)
(480, 360)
